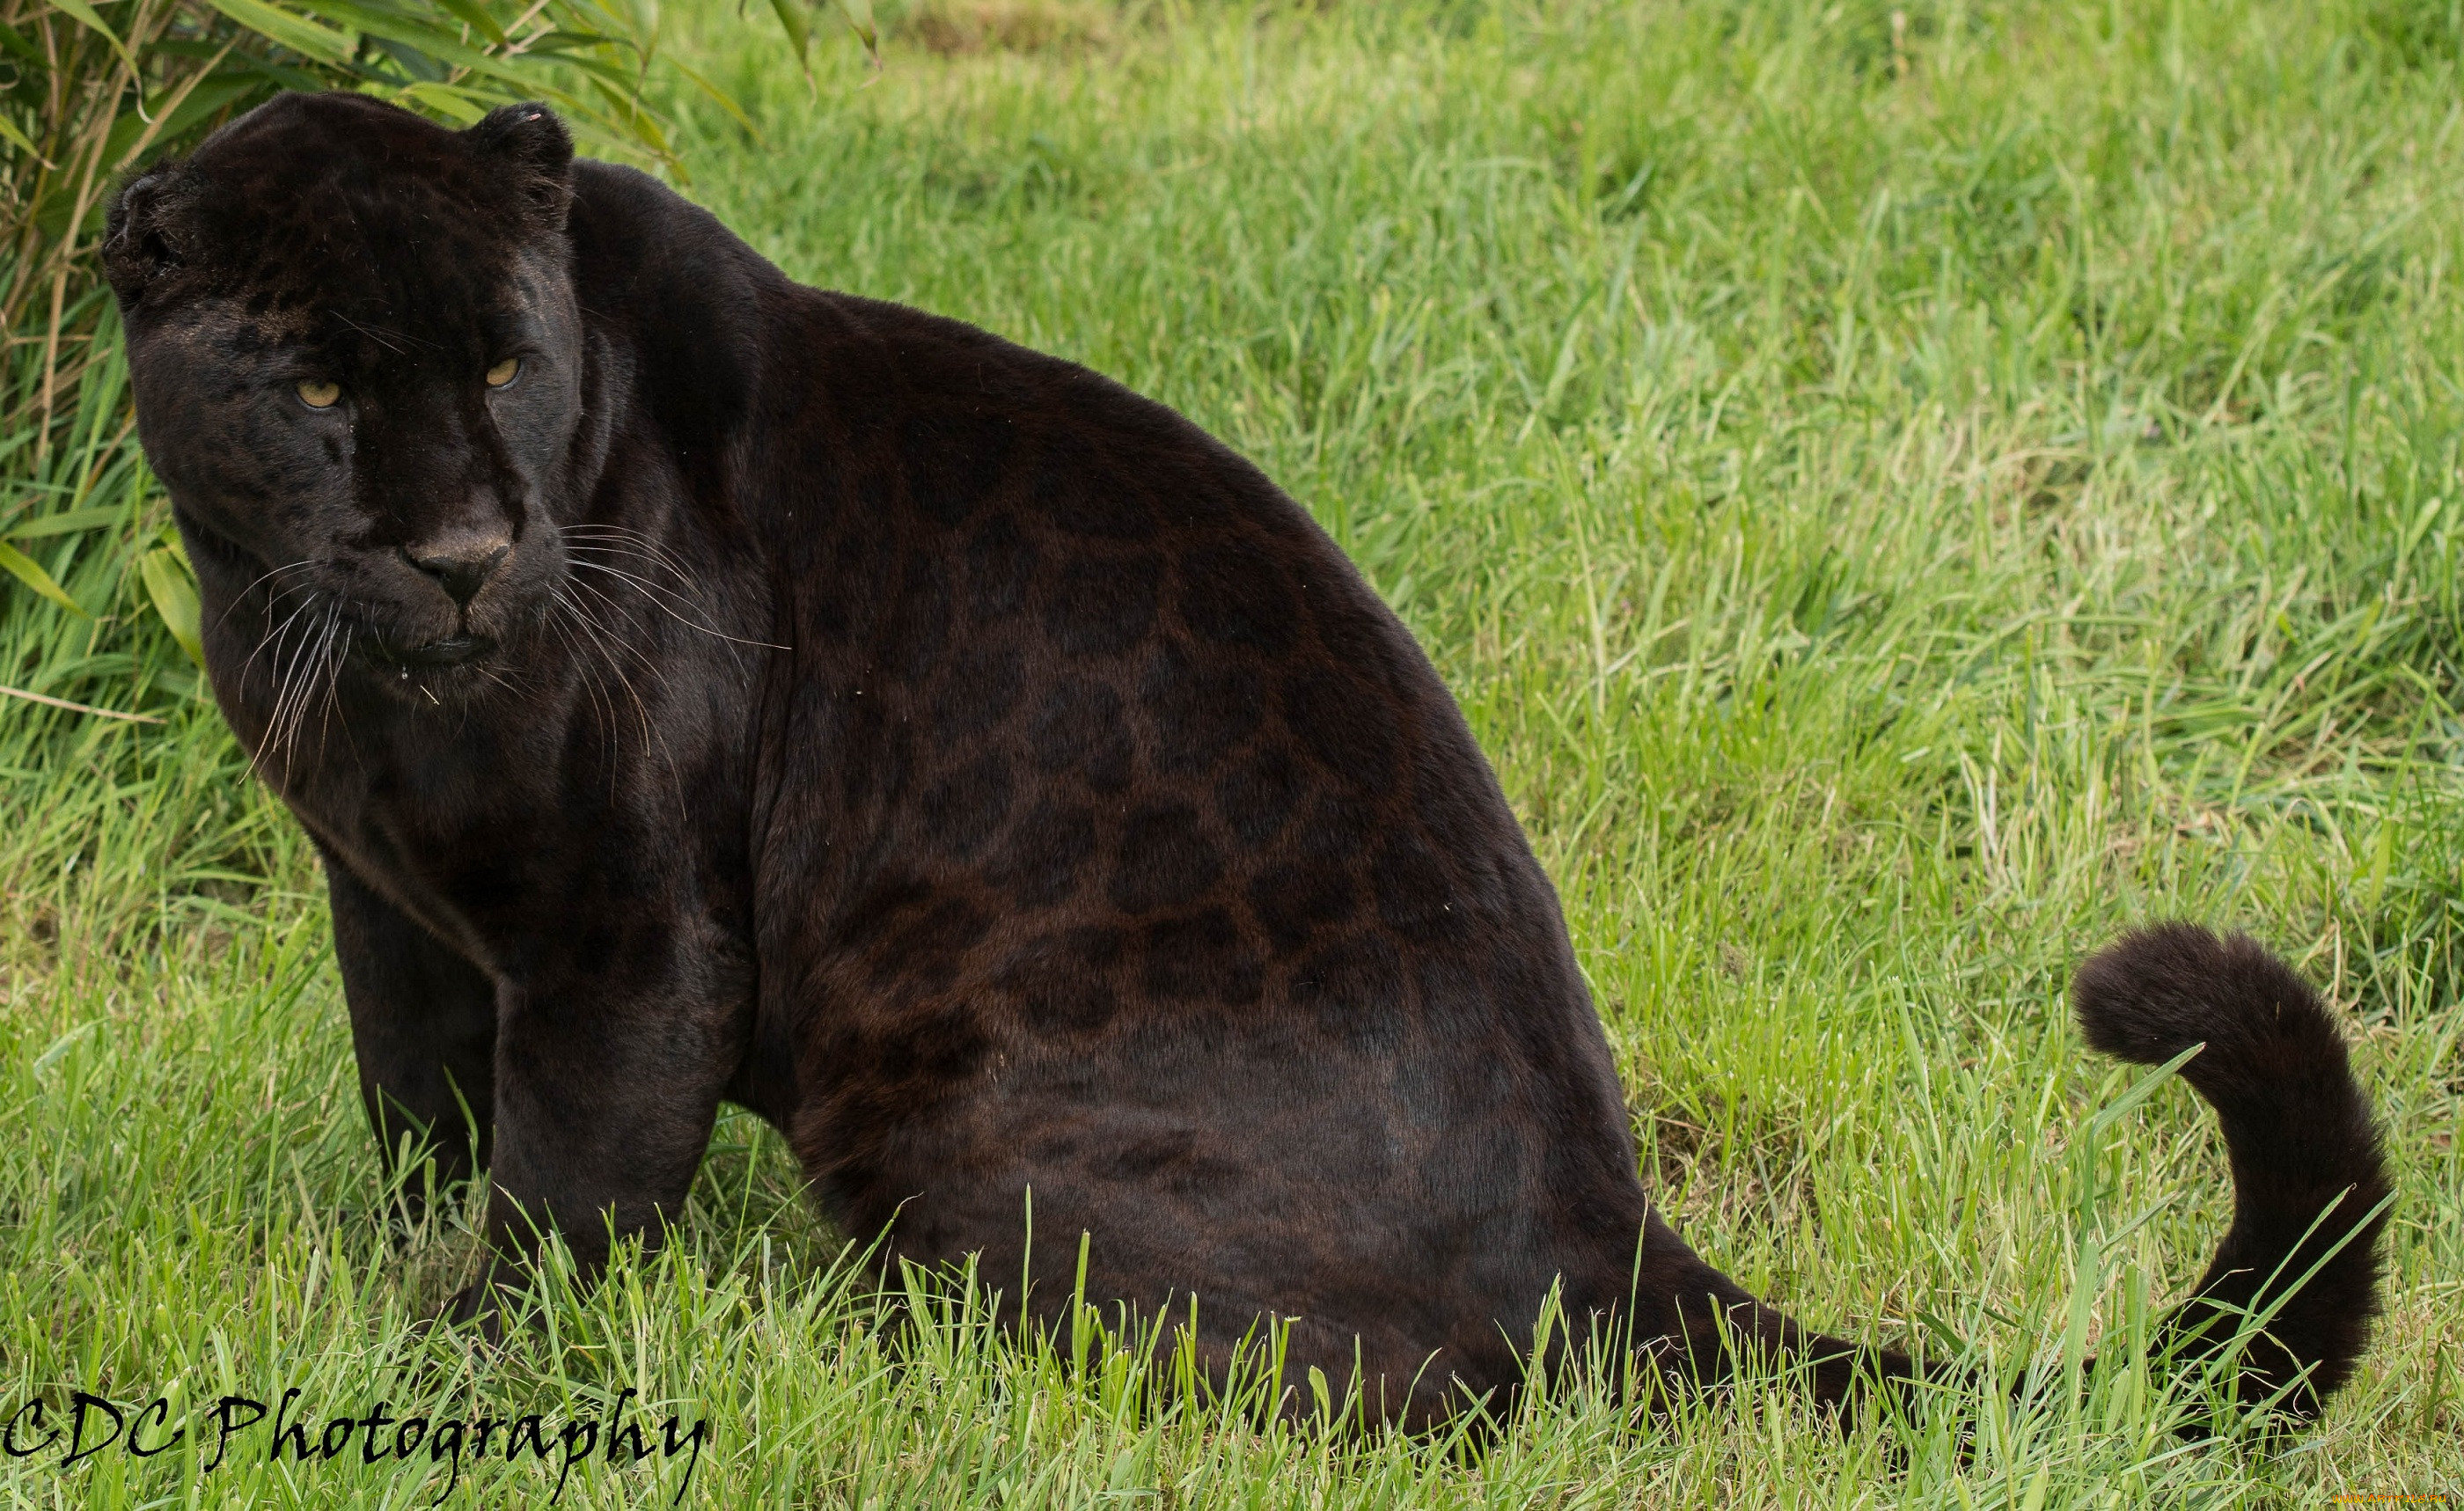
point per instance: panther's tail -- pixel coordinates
(2309, 1183)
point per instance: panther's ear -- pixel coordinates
(146, 232)
(530, 141)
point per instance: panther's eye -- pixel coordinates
(319, 394)
(503, 372)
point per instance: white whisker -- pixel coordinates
(242, 595)
(600, 636)
(586, 542)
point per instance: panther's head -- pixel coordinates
(358, 365)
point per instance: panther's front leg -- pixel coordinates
(608, 1082)
(424, 1029)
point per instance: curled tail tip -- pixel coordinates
(2309, 1175)
(2158, 989)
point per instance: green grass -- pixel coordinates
(1900, 492)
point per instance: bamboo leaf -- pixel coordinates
(211, 96)
(556, 43)
(208, 97)
(640, 123)
(174, 588)
(23, 142)
(433, 41)
(718, 96)
(799, 36)
(85, 17)
(27, 570)
(476, 15)
(309, 38)
(11, 41)
(248, 64)
(459, 105)
(859, 15)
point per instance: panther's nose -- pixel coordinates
(462, 562)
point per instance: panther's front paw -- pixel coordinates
(480, 1306)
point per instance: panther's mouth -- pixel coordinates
(451, 652)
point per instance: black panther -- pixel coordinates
(703, 688)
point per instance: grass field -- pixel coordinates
(1902, 492)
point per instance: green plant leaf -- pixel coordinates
(462, 106)
(67, 523)
(22, 143)
(27, 570)
(720, 97)
(86, 17)
(12, 41)
(173, 587)
(208, 97)
(435, 42)
(476, 15)
(859, 15)
(799, 36)
(309, 38)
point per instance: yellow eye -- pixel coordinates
(503, 372)
(318, 394)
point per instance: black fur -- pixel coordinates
(2309, 1181)
(972, 767)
